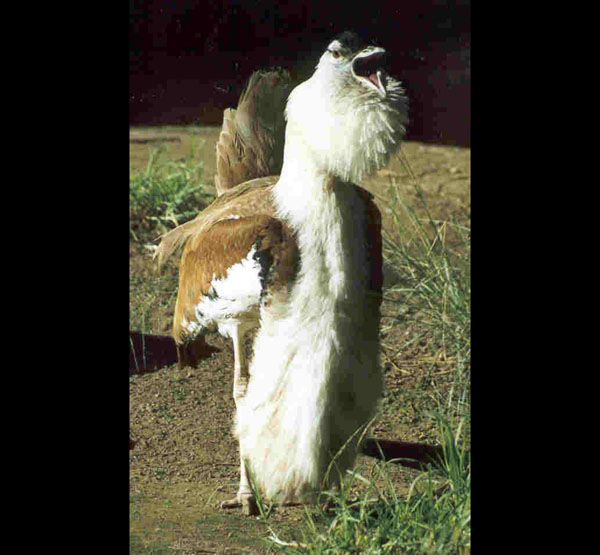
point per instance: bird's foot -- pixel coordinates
(246, 501)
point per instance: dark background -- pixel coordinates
(189, 59)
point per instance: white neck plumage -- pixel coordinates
(336, 131)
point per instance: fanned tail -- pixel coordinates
(251, 141)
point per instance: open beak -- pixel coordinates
(367, 68)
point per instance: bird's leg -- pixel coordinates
(240, 366)
(245, 496)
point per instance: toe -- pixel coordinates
(233, 503)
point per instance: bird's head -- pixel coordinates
(351, 113)
(348, 61)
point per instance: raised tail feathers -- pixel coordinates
(251, 141)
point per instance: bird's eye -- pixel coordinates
(335, 53)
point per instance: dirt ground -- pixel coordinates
(185, 459)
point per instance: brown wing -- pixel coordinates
(374, 243)
(251, 141)
(247, 199)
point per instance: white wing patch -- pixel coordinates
(231, 299)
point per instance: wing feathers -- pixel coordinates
(251, 198)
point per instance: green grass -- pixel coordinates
(432, 259)
(165, 194)
(162, 195)
(140, 546)
(433, 517)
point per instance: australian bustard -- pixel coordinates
(299, 257)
